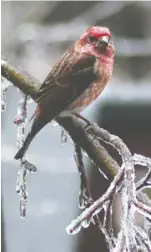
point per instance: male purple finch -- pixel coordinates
(75, 81)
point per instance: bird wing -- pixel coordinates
(67, 80)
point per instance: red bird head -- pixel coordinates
(97, 41)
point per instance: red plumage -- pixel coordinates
(75, 81)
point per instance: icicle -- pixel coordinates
(54, 123)
(22, 190)
(21, 112)
(21, 187)
(4, 87)
(83, 198)
(64, 137)
(102, 173)
(25, 166)
(86, 223)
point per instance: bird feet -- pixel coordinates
(90, 130)
(82, 118)
(88, 127)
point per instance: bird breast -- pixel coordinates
(95, 89)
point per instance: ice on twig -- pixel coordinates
(97, 206)
(23, 207)
(5, 84)
(84, 199)
(25, 166)
(64, 137)
(76, 230)
(54, 123)
(103, 174)
(141, 160)
(144, 238)
(21, 111)
(86, 223)
(21, 189)
(143, 209)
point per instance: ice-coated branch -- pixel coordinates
(120, 245)
(144, 240)
(143, 161)
(129, 193)
(5, 84)
(25, 166)
(21, 188)
(73, 125)
(144, 182)
(142, 208)
(85, 198)
(122, 178)
(97, 206)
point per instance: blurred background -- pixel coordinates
(34, 36)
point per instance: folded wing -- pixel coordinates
(67, 80)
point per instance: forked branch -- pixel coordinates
(122, 179)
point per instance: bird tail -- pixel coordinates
(38, 123)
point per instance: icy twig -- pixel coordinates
(91, 145)
(121, 243)
(129, 177)
(85, 198)
(143, 209)
(143, 161)
(84, 194)
(21, 188)
(21, 120)
(64, 136)
(144, 182)
(25, 166)
(143, 238)
(5, 84)
(96, 207)
(108, 212)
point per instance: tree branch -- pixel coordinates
(87, 137)
(73, 125)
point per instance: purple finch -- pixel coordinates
(75, 81)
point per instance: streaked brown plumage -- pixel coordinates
(75, 81)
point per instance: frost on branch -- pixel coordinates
(25, 166)
(124, 184)
(84, 194)
(64, 137)
(5, 84)
(21, 188)
(130, 236)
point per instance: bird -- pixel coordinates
(75, 81)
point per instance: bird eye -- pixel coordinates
(93, 39)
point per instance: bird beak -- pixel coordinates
(105, 40)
